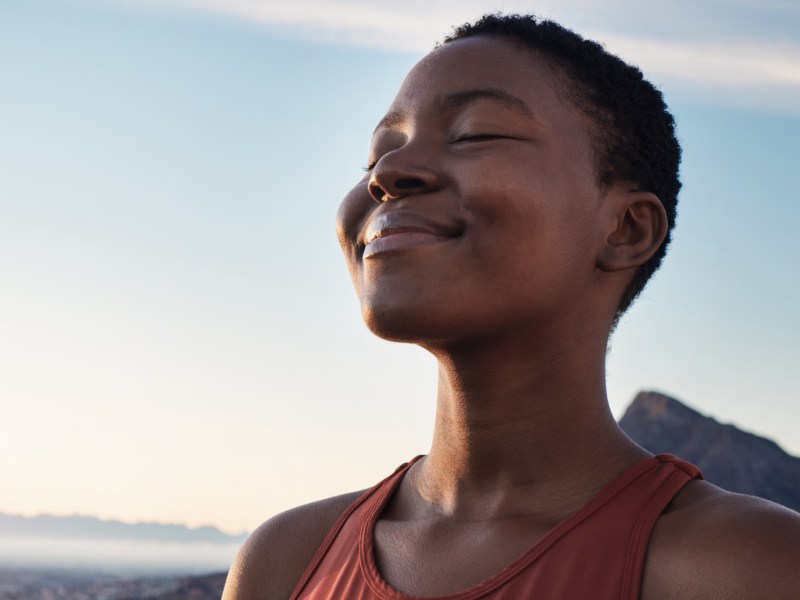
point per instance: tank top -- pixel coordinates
(597, 553)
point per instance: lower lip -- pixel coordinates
(401, 241)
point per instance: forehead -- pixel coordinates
(459, 68)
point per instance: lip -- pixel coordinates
(400, 231)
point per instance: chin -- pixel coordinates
(425, 312)
(407, 324)
(395, 325)
(421, 323)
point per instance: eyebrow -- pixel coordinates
(462, 99)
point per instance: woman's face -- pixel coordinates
(478, 212)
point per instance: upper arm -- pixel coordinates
(275, 556)
(727, 546)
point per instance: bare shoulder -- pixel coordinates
(275, 556)
(713, 544)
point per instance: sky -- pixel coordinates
(179, 340)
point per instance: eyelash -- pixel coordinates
(478, 137)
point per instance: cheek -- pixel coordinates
(350, 214)
(350, 218)
(508, 208)
(533, 225)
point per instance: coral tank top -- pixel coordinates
(597, 553)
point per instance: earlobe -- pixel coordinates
(636, 233)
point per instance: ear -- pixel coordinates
(637, 225)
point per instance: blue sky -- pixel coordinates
(178, 336)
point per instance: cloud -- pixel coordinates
(747, 67)
(755, 69)
(734, 73)
(352, 22)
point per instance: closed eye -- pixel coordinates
(479, 137)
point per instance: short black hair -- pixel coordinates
(635, 132)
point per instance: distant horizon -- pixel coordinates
(125, 523)
(90, 544)
(117, 557)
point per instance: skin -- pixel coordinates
(503, 257)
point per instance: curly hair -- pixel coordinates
(634, 133)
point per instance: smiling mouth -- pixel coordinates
(396, 239)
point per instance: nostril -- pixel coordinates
(409, 183)
(383, 188)
(398, 188)
(377, 192)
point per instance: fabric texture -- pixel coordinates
(597, 553)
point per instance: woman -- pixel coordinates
(520, 192)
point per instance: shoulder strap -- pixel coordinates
(680, 474)
(337, 526)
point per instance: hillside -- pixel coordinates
(92, 528)
(733, 459)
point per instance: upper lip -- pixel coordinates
(385, 224)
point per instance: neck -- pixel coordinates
(512, 424)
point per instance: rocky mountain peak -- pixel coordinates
(733, 459)
(656, 406)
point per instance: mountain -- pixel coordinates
(730, 458)
(91, 528)
(90, 545)
(34, 584)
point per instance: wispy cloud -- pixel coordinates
(752, 67)
(756, 68)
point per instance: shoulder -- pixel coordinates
(275, 556)
(715, 544)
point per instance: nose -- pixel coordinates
(395, 176)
